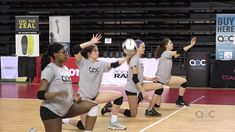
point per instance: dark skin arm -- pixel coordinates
(49, 95)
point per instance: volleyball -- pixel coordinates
(129, 46)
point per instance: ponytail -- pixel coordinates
(45, 61)
(161, 48)
(46, 58)
(158, 52)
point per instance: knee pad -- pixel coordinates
(127, 113)
(159, 91)
(184, 85)
(93, 111)
(118, 101)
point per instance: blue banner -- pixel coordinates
(225, 37)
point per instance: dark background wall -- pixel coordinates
(149, 20)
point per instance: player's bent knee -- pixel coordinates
(93, 111)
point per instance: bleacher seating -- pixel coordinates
(149, 20)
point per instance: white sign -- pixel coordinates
(118, 76)
(27, 45)
(9, 67)
(108, 40)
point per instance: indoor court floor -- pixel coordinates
(211, 110)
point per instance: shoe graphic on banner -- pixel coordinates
(30, 45)
(24, 44)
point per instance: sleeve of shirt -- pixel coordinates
(47, 74)
(167, 54)
(134, 62)
(106, 66)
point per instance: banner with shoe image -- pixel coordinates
(27, 45)
(27, 37)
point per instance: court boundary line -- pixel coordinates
(168, 116)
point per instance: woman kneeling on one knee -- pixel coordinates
(57, 93)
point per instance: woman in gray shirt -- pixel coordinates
(136, 85)
(91, 75)
(164, 53)
(57, 93)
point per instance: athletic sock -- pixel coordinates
(181, 98)
(113, 118)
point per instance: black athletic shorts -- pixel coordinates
(47, 114)
(93, 99)
(130, 93)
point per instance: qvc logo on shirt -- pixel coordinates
(197, 62)
(94, 70)
(66, 79)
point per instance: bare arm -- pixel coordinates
(139, 86)
(175, 54)
(48, 95)
(94, 40)
(193, 42)
(120, 62)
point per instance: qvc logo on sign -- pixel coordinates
(74, 72)
(197, 62)
(225, 38)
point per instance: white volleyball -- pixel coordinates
(129, 46)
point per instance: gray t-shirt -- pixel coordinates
(59, 80)
(130, 85)
(91, 75)
(164, 67)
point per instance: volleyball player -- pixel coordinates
(91, 74)
(165, 54)
(57, 93)
(135, 84)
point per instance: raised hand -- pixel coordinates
(193, 41)
(96, 39)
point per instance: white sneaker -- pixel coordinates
(116, 126)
